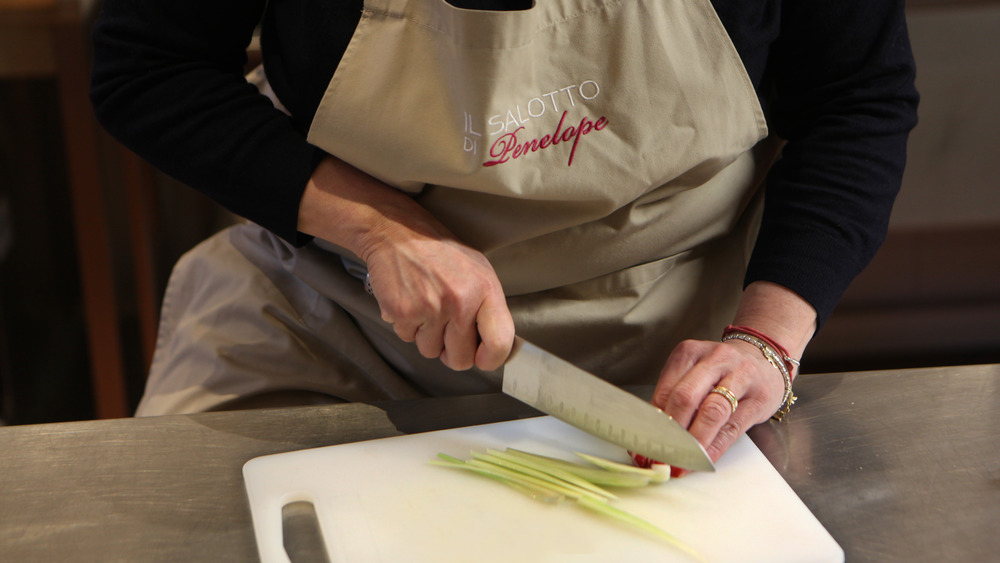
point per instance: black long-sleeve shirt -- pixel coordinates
(835, 78)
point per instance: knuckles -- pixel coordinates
(714, 412)
(683, 398)
(688, 349)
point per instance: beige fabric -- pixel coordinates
(628, 234)
(235, 325)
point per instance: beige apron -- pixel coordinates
(597, 152)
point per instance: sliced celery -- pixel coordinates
(596, 476)
(608, 510)
(571, 492)
(661, 473)
(536, 492)
(534, 468)
(658, 475)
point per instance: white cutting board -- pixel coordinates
(380, 501)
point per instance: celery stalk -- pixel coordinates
(658, 475)
(531, 490)
(533, 468)
(518, 476)
(607, 509)
(596, 476)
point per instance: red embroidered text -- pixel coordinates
(508, 146)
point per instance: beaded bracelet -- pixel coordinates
(790, 363)
(775, 355)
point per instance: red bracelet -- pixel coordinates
(790, 363)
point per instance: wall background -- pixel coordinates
(932, 294)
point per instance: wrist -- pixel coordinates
(782, 315)
(774, 354)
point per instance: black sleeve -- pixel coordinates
(840, 83)
(168, 83)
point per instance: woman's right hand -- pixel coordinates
(434, 290)
(445, 297)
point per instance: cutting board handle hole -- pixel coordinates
(301, 533)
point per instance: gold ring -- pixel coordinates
(728, 395)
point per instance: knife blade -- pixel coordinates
(564, 391)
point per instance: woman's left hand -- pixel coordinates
(695, 368)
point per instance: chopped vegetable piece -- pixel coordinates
(663, 473)
(532, 490)
(570, 492)
(657, 472)
(596, 476)
(532, 467)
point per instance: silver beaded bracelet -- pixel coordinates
(775, 359)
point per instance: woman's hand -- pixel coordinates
(434, 290)
(445, 297)
(695, 368)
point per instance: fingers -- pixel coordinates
(446, 331)
(717, 425)
(484, 341)
(459, 345)
(683, 384)
(496, 331)
(429, 339)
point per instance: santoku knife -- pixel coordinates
(564, 391)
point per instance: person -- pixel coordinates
(617, 182)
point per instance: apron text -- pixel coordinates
(507, 146)
(538, 106)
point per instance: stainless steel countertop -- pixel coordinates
(900, 465)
